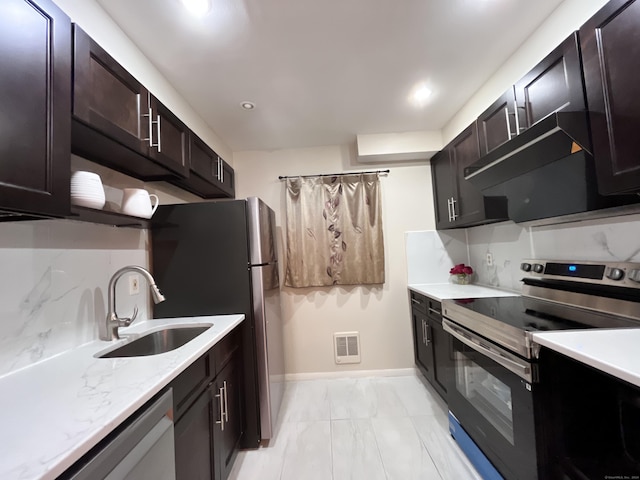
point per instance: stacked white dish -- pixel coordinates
(87, 190)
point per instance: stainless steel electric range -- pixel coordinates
(498, 394)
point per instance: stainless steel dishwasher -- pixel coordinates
(140, 449)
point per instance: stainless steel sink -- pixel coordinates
(157, 342)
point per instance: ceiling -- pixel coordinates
(322, 71)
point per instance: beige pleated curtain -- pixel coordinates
(334, 231)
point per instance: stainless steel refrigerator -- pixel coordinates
(215, 258)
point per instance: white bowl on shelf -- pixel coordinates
(87, 190)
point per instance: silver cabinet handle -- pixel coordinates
(149, 115)
(226, 405)
(159, 144)
(220, 171)
(517, 117)
(426, 330)
(417, 302)
(506, 114)
(433, 310)
(449, 209)
(453, 209)
(220, 398)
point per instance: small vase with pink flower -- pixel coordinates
(461, 274)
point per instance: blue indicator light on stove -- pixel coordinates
(572, 268)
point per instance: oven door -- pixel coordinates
(492, 403)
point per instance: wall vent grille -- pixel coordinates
(346, 347)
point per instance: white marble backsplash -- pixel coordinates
(431, 254)
(53, 285)
(603, 239)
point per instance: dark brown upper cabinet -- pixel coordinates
(466, 205)
(555, 84)
(498, 123)
(610, 43)
(35, 101)
(168, 138)
(210, 176)
(442, 181)
(118, 123)
(106, 96)
(111, 114)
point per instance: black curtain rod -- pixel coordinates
(332, 174)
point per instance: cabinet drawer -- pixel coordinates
(190, 382)
(419, 302)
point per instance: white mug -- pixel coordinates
(137, 202)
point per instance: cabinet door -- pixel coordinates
(422, 345)
(442, 351)
(194, 440)
(498, 123)
(552, 85)
(442, 183)
(227, 178)
(469, 202)
(35, 102)
(210, 176)
(107, 97)
(169, 139)
(229, 426)
(610, 43)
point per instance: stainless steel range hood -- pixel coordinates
(555, 137)
(545, 172)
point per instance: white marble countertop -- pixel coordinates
(614, 351)
(53, 412)
(442, 291)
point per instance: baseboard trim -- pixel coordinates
(392, 372)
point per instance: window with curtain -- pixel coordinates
(334, 231)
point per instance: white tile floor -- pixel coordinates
(370, 428)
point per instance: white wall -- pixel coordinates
(99, 25)
(569, 16)
(380, 314)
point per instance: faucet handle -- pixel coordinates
(126, 321)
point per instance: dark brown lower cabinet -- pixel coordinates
(194, 440)
(433, 346)
(229, 426)
(208, 404)
(442, 355)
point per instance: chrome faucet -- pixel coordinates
(109, 328)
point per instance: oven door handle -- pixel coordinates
(498, 355)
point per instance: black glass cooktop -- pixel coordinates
(520, 312)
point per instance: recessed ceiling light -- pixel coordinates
(248, 105)
(420, 94)
(197, 7)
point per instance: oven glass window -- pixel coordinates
(488, 395)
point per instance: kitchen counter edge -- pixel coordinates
(445, 291)
(55, 411)
(612, 351)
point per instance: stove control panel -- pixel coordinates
(620, 274)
